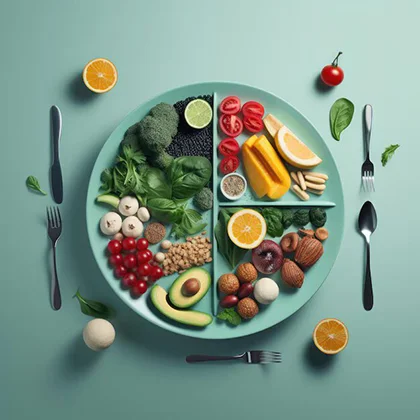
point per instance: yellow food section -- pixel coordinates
(265, 172)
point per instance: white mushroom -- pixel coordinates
(111, 223)
(266, 291)
(98, 334)
(132, 227)
(143, 214)
(128, 206)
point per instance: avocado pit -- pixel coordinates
(191, 287)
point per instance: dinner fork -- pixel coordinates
(368, 177)
(251, 357)
(54, 232)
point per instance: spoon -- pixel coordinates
(367, 225)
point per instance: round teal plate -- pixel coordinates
(289, 300)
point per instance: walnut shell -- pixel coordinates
(308, 252)
(291, 274)
(246, 273)
(247, 308)
(228, 284)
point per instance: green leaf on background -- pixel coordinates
(388, 153)
(341, 114)
(33, 184)
(94, 308)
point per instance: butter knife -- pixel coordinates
(56, 175)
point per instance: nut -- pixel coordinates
(247, 308)
(166, 244)
(191, 287)
(308, 252)
(246, 273)
(245, 290)
(159, 257)
(155, 232)
(289, 242)
(321, 233)
(306, 232)
(291, 274)
(229, 301)
(228, 284)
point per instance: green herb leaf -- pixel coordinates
(274, 218)
(156, 184)
(190, 224)
(388, 153)
(341, 114)
(287, 218)
(94, 308)
(230, 315)
(301, 217)
(166, 210)
(33, 184)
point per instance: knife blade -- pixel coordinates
(56, 175)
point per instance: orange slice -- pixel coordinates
(331, 336)
(100, 75)
(247, 228)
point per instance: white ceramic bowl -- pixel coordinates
(236, 197)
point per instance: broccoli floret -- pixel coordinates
(167, 115)
(204, 199)
(287, 218)
(153, 136)
(162, 160)
(318, 217)
(301, 218)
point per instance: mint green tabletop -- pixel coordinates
(46, 371)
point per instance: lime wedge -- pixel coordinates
(198, 113)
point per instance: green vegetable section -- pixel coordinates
(94, 308)
(274, 219)
(33, 184)
(318, 216)
(341, 114)
(230, 315)
(388, 153)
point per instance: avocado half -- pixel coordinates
(197, 319)
(175, 292)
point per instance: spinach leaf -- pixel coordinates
(188, 175)
(287, 218)
(190, 224)
(156, 185)
(341, 114)
(166, 210)
(33, 184)
(274, 217)
(94, 308)
(388, 153)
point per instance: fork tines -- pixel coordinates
(368, 181)
(270, 357)
(53, 217)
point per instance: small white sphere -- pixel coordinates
(111, 223)
(143, 214)
(128, 206)
(98, 334)
(166, 244)
(266, 291)
(132, 227)
(118, 236)
(159, 257)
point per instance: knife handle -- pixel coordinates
(56, 122)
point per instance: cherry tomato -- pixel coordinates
(333, 74)
(144, 269)
(253, 108)
(128, 244)
(143, 257)
(120, 271)
(231, 125)
(114, 246)
(115, 259)
(229, 164)
(130, 261)
(139, 288)
(253, 123)
(229, 147)
(144, 278)
(129, 280)
(149, 254)
(230, 105)
(142, 244)
(156, 273)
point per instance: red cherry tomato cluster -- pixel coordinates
(135, 269)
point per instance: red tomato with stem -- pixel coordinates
(142, 244)
(333, 74)
(229, 147)
(139, 288)
(229, 164)
(230, 105)
(253, 123)
(114, 247)
(144, 269)
(120, 271)
(130, 261)
(253, 108)
(129, 280)
(231, 125)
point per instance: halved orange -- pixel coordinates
(247, 228)
(100, 75)
(331, 336)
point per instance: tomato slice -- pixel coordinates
(253, 108)
(231, 125)
(230, 105)
(229, 164)
(229, 147)
(253, 123)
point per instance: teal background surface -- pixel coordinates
(46, 371)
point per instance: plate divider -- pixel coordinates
(216, 203)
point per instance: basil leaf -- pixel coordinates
(230, 315)
(188, 175)
(156, 185)
(274, 218)
(388, 153)
(33, 184)
(190, 224)
(341, 114)
(166, 210)
(94, 308)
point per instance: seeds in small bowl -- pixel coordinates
(233, 186)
